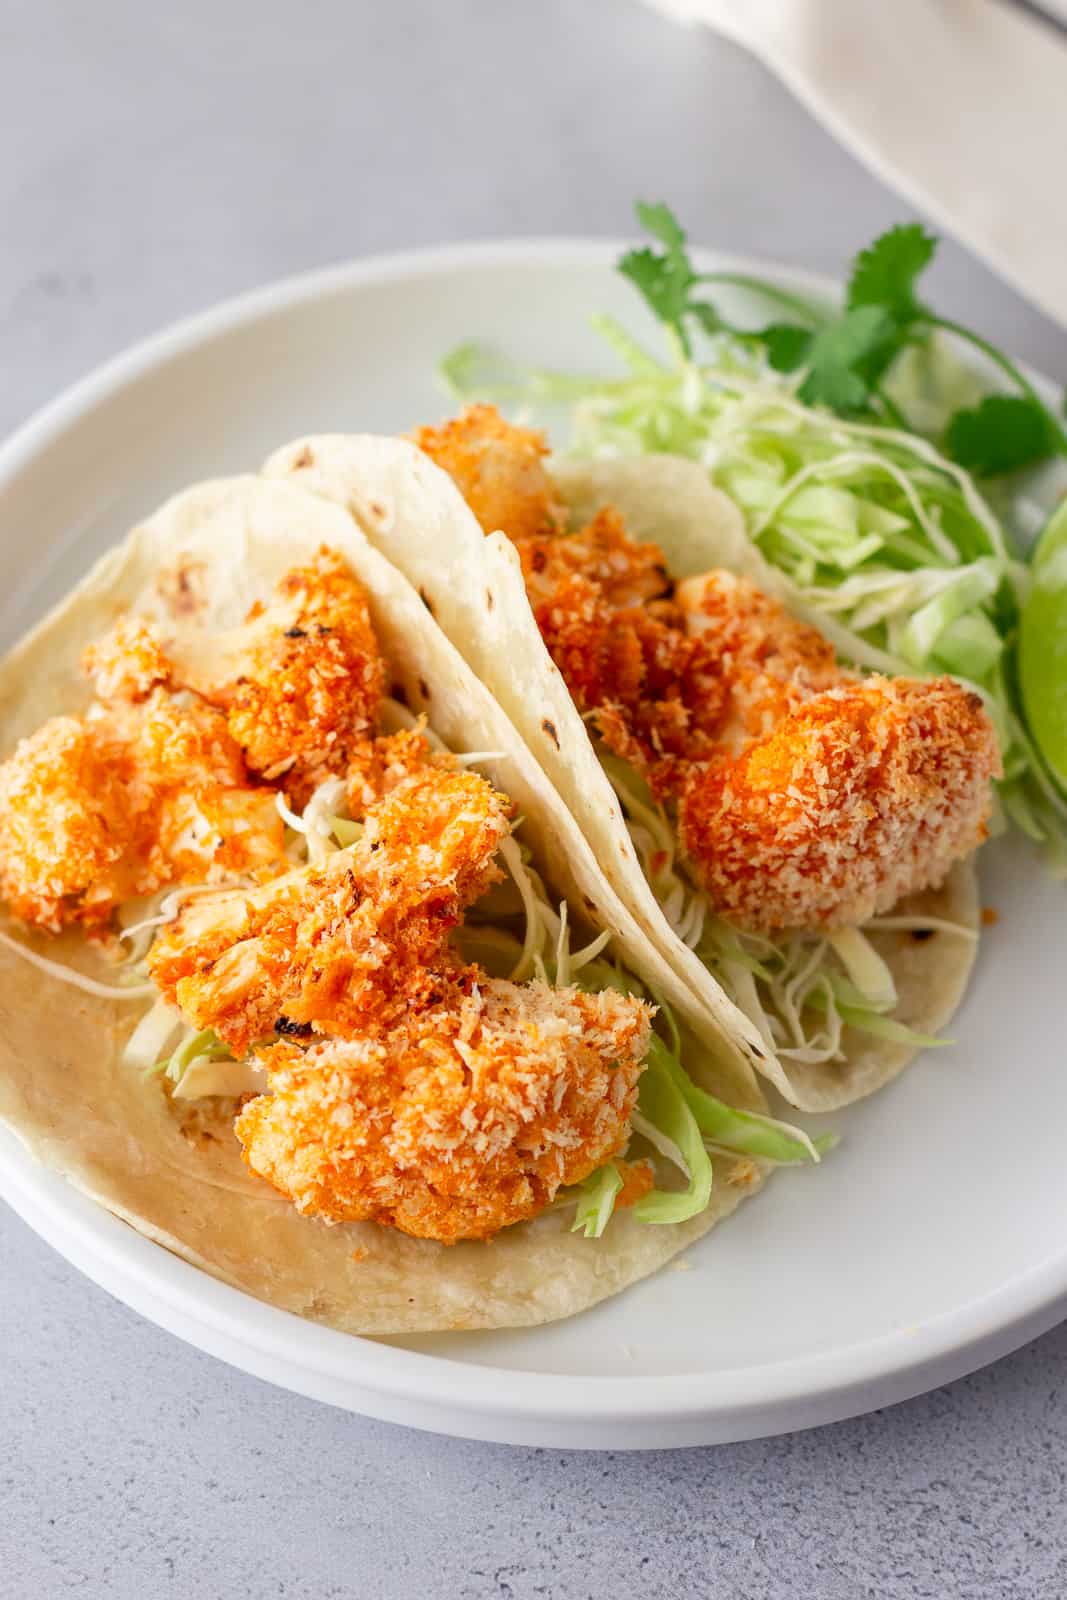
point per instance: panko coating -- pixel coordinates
(300, 681)
(807, 796)
(499, 469)
(347, 947)
(464, 1119)
(122, 802)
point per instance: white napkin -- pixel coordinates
(960, 105)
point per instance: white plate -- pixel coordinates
(931, 1242)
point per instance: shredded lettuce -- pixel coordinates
(884, 541)
(664, 1111)
(746, 1132)
(77, 980)
(147, 1044)
(596, 1201)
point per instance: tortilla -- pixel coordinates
(172, 1169)
(415, 515)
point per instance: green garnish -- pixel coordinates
(747, 1132)
(596, 1201)
(663, 1111)
(819, 427)
(846, 354)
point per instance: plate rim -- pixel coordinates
(839, 1382)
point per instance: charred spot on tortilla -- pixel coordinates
(182, 588)
(303, 458)
(398, 693)
(379, 511)
(424, 689)
(588, 903)
(549, 727)
(489, 601)
(427, 602)
(922, 934)
(290, 1029)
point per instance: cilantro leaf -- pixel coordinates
(787, 345)
(707, 316)
(837, 356)
(664, 285)
(886, 272)
(659, 220)
(664, 277)
(1003, 433)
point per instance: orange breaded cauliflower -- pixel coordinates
(464, 1119)
(347, 947)
(864, 794)
(127, 663)
(498, 469)
(300, 681)
(625, 573)
(376, 766)
(653, 694)
(120, 803)
(769, 662)
(807, 796)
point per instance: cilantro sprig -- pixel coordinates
(846, 357)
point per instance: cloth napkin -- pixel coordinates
(960, 105)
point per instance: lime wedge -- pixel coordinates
(1043, 646)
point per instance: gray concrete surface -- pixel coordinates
(154, 159)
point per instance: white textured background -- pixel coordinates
(152, 160)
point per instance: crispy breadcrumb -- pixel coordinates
(347, 947)
(98, 810)
(300, 681)
(499, 469)
(625, 573)
(376, 766)
(866, 793)
(768, 661)
(464, 1119)
(654, 694)
(127, 663)
(806, 795)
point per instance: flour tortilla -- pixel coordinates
(416, 516)
(173, 1170)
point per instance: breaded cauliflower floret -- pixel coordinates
(466, 1118)
(769, 662)
(63, 816)
(654, 694)
(806, 795)
(120, 803)
(866, 793)
(498, 469)
(626, 573)
(127, 663)
(376, 766)
(300, 681)
(350, 946)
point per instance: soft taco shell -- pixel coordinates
(174, 1171)
(413, 513)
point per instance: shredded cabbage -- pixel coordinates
(886, 543)
(596, 1201)
(664, 1110)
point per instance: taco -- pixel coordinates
(309, 974)
(795, 838)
